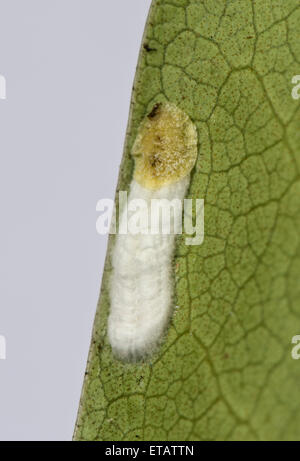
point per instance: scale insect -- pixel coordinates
(141, 289)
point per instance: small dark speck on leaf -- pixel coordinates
(140, 379)
(148, 48)
(154, 111)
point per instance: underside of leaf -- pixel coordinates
(225, 370)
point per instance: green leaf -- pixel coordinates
(225, 371)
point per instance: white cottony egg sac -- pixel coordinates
(142, 281)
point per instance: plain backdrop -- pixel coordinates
(69, 67)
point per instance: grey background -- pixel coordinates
(69, 67)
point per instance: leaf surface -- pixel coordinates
(225, 371)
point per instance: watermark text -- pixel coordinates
(152, 217)
(2, 347)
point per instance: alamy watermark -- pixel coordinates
(2, 338)
(2, 87)
(2, 347)
(295, 352)
(296, 88)
(156, 216)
